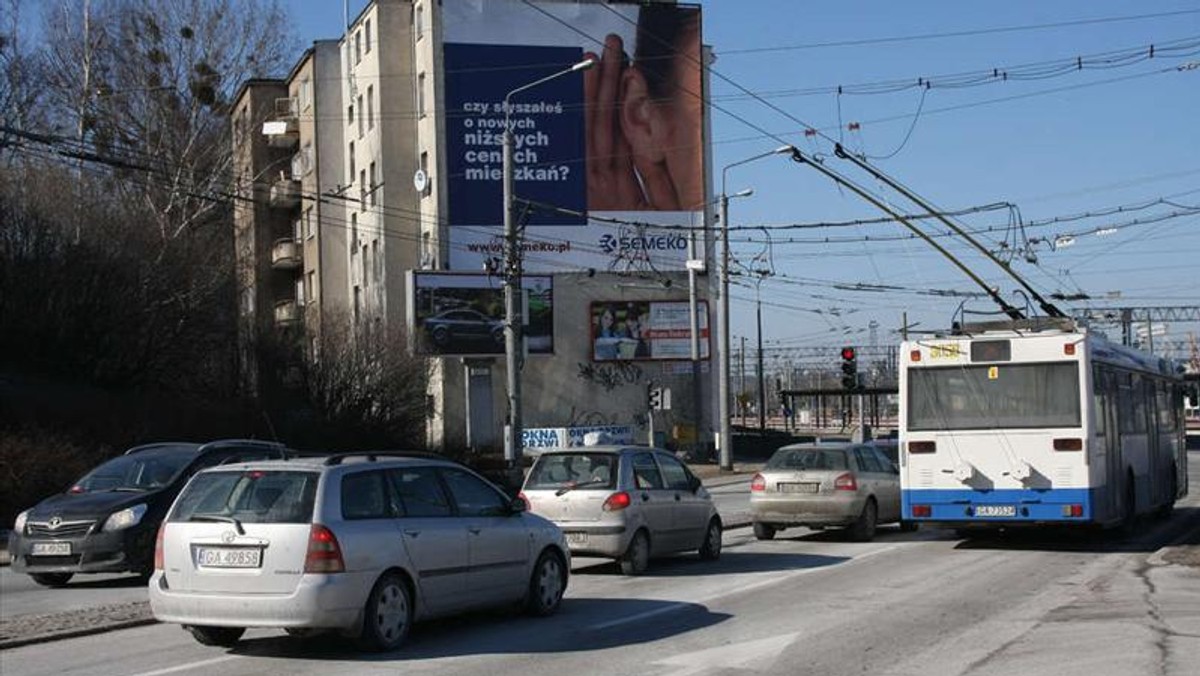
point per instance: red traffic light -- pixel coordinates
(848, 353)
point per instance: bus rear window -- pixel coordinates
(1006, 396)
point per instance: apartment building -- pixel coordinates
(353, 157)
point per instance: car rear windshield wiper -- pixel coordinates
(219, 519)
(572, 486)
(127, 489)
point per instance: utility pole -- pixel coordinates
(742, 379)
(693, 266)
(725, 440)
(762, 389)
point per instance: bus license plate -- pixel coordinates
(51, 549)
(226, 557)
(996, 510)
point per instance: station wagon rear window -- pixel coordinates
(583, 471)
(249, 497)
(808, 459)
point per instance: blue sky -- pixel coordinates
(1073, 143)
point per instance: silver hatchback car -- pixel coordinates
(363, 544)
(624, 502)
(826, 485)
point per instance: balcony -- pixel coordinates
(287, 313)
(285, 192)
(286, 254)
(283, 129)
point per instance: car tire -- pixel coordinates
(863, 529)
(498, 336)
(440, 335)
(909, 526)
(223, 637)
(764, 531)
(637, 556)
(546, 585)
(710, 550)
(387, 615)
(52, 579)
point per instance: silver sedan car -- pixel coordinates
(362, 545)
(624, 502)
(826, 485)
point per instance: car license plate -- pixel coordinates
(228, 557)
(996, 510)
(51, 549)
(797, 487)
(577, 538)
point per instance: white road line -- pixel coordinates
(752, 586)
(190, 665)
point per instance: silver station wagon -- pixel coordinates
(624, 502)
(826, 485)
(361, 544)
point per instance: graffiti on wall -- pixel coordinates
(611, 375)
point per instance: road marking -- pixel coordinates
(190, 665)
(755, 655)
(752, 586)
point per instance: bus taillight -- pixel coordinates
(1071, 444)
(1072, 510)
(922, 447)
(922, 511)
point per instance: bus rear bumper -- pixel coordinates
(1000, 507)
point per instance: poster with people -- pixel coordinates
(646, 330)
(621, 140)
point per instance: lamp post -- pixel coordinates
(513, 321)
(726, 439)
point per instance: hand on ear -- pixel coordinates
(612, 183)
(646, 125)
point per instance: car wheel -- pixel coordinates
(711, 549)
(387, 615)
(224, 637)
(498, 336)
(764, 531)
(863, 529)
(637, 556)
(440, 335)
(52, 579)
(546, 586)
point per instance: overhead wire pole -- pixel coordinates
(513, 317)
(800, 158)
(1047, 307)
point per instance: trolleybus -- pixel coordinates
(1037, 422)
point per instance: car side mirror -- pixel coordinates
(517, 506)
(695, 483)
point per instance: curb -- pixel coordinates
(74, 633)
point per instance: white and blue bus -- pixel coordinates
(1037, 422)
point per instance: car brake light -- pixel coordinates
(159, 558)
(1072, 444)
(616, 502)
(758, 483)
(922, 447)
(528, 505)
(324, 553)
(845, 482)
(922, 511)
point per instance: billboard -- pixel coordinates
(454, 314)
(646, 330)
(620, 141)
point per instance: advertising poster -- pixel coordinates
(456, 314)
(646, 330)
(622, 140)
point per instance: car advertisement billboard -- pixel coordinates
(609, 152)
(646, 330)
(458, 314)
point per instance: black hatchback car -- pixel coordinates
(107, 521)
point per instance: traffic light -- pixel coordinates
(849, 369)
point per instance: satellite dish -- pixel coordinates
(420, 180)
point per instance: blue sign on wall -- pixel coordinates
(547, 123)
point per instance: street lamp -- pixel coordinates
(726, 440)
(513, 321)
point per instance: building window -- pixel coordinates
(366, 279)
(362, 189)
(377, 268)
(420, 22)
(425, 170)
(351, 177)
(360, 116)
(358, 47)
(374, 187)
(310, 286)
(300, 292)
(420, 95)
(370, 106)
(367, 30)
(305, 94)
(357, 303)
(353, 234)
(298, 229)
(350, 114)
(310, 230)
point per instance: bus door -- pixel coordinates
(1153, 447)
(1106, 421)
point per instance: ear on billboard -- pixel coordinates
(638, 117)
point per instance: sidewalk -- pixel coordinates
(712, 475)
